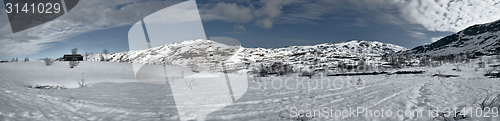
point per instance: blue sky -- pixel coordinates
(94, 25)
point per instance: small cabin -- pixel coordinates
(76, 57)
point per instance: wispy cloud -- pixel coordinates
(266, 13)
(263, 16)
(91, 15)
(445, 15)
(299, 40)
(239, 28)
(87, 16)
(434, 39)
(417, 34)
(434, 15)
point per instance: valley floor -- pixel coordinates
(387, 93)
(116, 95)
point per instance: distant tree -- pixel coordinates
(73, 61)
(372, 67)
(287, 69)
(74, 51)
(489, 61)
(423, 61)
(360, 81)
(87, 56)
(361, 66)
(182, 74)
(263, 71)
(309, 74)
(458, 59)
(481, 64)
(48, 61)
(350, 66)
(26, 59)
(101, 57)
(254, 71)
(341, 66)
(13, 60)
(104, 54)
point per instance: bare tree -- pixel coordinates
(182, 74)
(104, 54)
(193, 66)
(424, 61)
(481, 64)
(74, 51)
(101, 57)
(87, 56)
(306, 73)
(73, 62)
(26, 59)
(191, 84)
(341, 66)
(361, 66)
(498, 58)
(82, 83)
(48, 61)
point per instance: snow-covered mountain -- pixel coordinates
(209, 52)
(350, 49)
(372, 48)
(178, 53)
(478, 38)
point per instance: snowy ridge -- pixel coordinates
(323, 52)
(373, 48)
(178, 53)
(482, 38)
(207, 52)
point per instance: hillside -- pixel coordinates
(478, 38)
(207, 52)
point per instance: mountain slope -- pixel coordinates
(477, 38)
(178, 53)
(353, 48)
(210, 52)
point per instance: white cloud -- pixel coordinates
(433, 15)
(270, 12)
(445, 15)
(235, 12)
(299, 40)
(87, 16)
(265, 23)
(179, 13)
(434, 39)
(273, 8)
(232, 12)
(239, 28)
(418, 35)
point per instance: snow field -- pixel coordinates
(115, 94)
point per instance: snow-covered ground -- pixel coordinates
(115, 94)
(411, 92)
